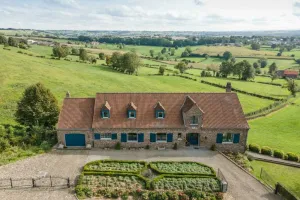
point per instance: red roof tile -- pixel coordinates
(290, 72)
(76, 113)
(221, 110)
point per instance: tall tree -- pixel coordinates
(292, 86)
(131, 62)
(37, 107)
(188, 49)
(255, 46)
(75, 51)
(83, 54)
(249, 71)
(255, 65)
(227, 55)
(102, 56)
(226, 68)
(151, 53)
(116, 60)
(181, 67)
(272, 68)
(60, 51)
(273, 46)
(3, 39)
(263, 62)
(172, 52)
(12, 42)
(164, 50)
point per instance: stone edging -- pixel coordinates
(267, 187)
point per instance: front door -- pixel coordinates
(192, 139)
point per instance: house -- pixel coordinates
(159, 120)
(287, 73)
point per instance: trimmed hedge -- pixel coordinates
(292, 157)
(275, 84)
(266, 151)
(87, 167)
(242, 91)
(278, 154)
(254, 148)
(153, 167)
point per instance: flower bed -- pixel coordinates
(106, 180)
(205, 184)
(115, 166)
(182, 168)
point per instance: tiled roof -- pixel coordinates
(159, 106)
(221, 110)
(290, 72)
(76, 113)
(106, 106)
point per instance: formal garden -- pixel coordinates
(160, 180)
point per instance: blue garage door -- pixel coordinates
(75, 140)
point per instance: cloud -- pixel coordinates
(297, 4)
(64, 3)
(217, 19)
(199, 2)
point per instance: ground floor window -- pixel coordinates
(97, 136)
(227, 137)
(132, 137)
(161, 137)
(106, 136)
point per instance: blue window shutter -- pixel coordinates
(170, 137)
(156, 113)
(97, 136)
(114, 136)
(152, 137)
(123, 137)
(236, 138)
(219, 138)
(141, 137)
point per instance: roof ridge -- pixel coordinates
(165, 93)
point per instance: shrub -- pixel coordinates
(175, 147)
(183, 196)
(172, 195)
(87, 191)
(292, 157)
(194, 194)
(147, 146)
(118, 146)
(78, 190)
(213, 147)
(45, 146)
(4, 144)
(266, 151)
(254, 148)
(219, 196)
(278, 154)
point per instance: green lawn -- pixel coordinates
(288, 176)
(279, 130)
(258, 88)
(18, 71)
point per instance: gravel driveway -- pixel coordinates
(68, 163)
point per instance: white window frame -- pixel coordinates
(225, 136)
(107, 111)
(129, 114)
(161, 141)
(132, 140)
(162, 115)
(106, 136)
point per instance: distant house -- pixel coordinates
(156, 120)
(31, 41)
(287, 73)
(95, 43)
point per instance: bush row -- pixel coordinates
(266, 110)
(275, 153)
(242, 91)
(275, 84)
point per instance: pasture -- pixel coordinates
(288, 176)
(279, 130)
(18, 71)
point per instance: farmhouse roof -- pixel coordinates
(221, 110)
(76, 113)
(290, 72)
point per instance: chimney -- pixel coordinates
(68, 95)
(228, 87)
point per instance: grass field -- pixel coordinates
(268, 90)
(288, 176)
(279, 130)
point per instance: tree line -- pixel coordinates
(14, 42)
(127, 63)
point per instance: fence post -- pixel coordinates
(33, 184)
(50, 181)
(68, 182)
(276, 188)
(11, 183)
(261, 170)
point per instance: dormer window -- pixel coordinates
(159, 111)
(105, 114)
(131, 111)
(105, 111)
(194, 120)
(160, 114)
(131, 114)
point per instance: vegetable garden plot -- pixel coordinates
(115, 166)
(185, 183)
(182, 168)
(113, 181)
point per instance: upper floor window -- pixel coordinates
(194, 120)
(227, 137)
(160, 114)
(131, 114)
(105, 114)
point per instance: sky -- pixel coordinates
(151, 15)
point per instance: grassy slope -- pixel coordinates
(279, 130)
(288, 176)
